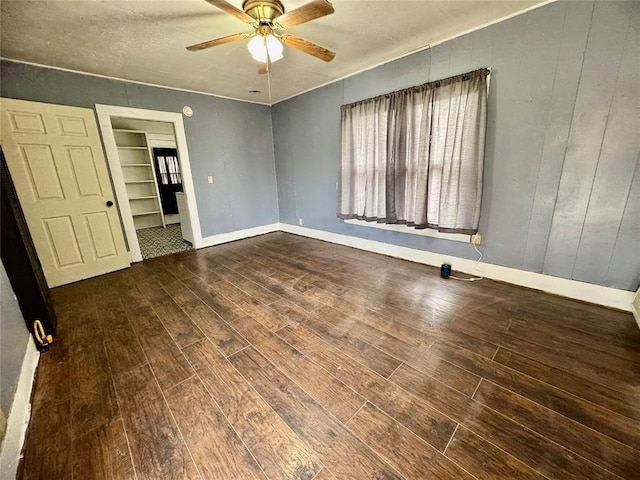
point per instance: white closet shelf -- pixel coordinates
(152, 212)
(141, 185)
(125, 130)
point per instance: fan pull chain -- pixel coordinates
(269, 85)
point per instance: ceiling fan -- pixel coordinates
(269, 20)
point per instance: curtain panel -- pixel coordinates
(416, 156)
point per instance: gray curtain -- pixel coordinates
(416, 156)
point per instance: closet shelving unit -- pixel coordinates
(139, 178)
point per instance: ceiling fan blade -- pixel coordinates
(230, 9)
(218, 41)
(306, 13)
(308, 47)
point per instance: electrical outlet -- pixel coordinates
(209, 179)
(476, 239)
(300, 222)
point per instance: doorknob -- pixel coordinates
(109, 203)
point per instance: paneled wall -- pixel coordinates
(243, 194)
(562, 175)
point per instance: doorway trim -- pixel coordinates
(105, 113)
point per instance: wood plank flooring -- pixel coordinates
(280, 357)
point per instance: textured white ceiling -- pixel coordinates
(145, 40)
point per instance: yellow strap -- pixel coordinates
(38, 330)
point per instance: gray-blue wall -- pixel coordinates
(230, 140)
(562, 173)
(13, 342)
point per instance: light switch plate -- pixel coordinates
(209, 179)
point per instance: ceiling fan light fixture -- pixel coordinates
(265, 18)
(274, 47)
(260, 45)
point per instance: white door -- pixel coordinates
(56, 161)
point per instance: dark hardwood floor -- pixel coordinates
(280, 357)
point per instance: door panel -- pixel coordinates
(84, 171)
(99, 231)
(26, 122)
(71, 126)
(56, 161)
(61, 239)
(42, 172)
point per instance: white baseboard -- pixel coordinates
(18, 419)
(239, 235)
(588, 292)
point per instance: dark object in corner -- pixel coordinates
(20, 259)
(169, 178)
(445, 270)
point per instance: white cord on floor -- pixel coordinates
(475, 269)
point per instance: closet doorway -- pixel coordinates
(151, 175)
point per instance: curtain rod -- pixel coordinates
(435, 83)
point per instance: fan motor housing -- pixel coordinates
(264, 11)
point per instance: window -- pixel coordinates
(169, 169)
(169, 178)
(416, 156)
